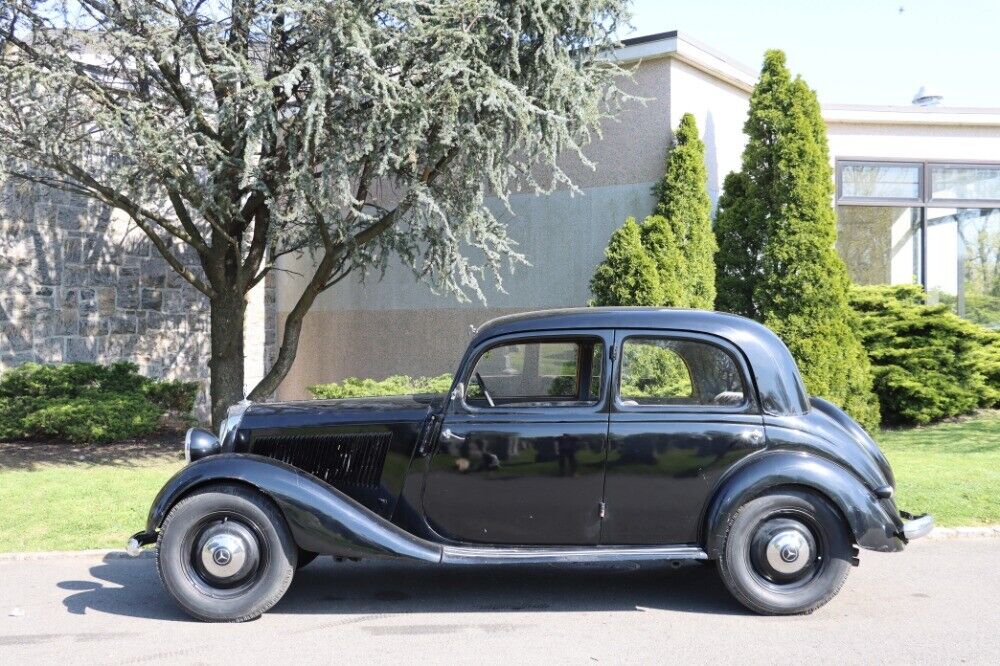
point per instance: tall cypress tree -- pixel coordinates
(682, 199)
(628, 275)
(671, 266)
(783, 230)
(738, 266)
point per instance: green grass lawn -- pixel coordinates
(50, 499)
(951, 470)
(75, 505)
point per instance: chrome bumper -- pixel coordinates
(915, 527)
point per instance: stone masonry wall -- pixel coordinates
(79, 282)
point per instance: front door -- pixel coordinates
(520, 458)
(683, 412)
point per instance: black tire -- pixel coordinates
(305, 558)
(755, 562)
(264, 550)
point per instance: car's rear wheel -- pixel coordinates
(225, 554)
(786, 552)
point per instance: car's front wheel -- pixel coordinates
(225, 554)
(786, 552)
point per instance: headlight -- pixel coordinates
(199, 443)
(232, 421)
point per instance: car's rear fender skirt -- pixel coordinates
(875, 523)
(321, 518)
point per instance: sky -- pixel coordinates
(852, 51)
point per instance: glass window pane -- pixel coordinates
(967, 182)
(880, 181)
(661, 371)
(535, 373)
(880, 244)
(963, 264)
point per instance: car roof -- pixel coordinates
(774, 370)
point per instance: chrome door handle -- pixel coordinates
(752, 437)
(448, 434)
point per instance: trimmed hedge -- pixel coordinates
(87, 402)
(353, 387)
(928, 363)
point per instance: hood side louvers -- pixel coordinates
(354, 459)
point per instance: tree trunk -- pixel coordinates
(226, 363)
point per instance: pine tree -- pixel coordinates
(628, 275)
(799, 283)
(682, 198)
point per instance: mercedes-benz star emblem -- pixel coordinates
(789, 553)
(222, 556)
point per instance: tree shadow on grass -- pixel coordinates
(163, 446)
(130, 587)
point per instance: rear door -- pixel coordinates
(683, 411)
(520, 459)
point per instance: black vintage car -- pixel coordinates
(586, 435)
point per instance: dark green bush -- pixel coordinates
(172, 396)
(927, 362)
(98, 418)
(352, 387)
(87, 402)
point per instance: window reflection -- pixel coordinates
(968, 182)
(880, 244)
(963, 261)
(880, 181)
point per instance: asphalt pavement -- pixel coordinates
(937, 602)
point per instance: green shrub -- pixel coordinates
(928, 363)
(353, 387)
(172, 396)
(86, 402)
(97, 418)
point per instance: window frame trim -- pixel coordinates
(604, 336)
(840, 199)
(749, 406)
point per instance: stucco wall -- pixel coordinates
(399, 326)
(918, 142)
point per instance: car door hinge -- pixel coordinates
(602, 506)
(614, 352)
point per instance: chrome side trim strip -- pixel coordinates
(494, 555)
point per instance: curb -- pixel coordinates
(938, 533)
(74, 554)
(965, 532)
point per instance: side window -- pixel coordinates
(540, 373)
(665, 371)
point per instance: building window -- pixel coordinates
(933, 224)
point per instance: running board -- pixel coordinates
(493, 555)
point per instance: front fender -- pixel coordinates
(875, 523)
(321, 518)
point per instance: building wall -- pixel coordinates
(79, 282)
(398, 325)
(918, 142)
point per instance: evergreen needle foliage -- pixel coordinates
(928, 362)
(683, 201)
(628, 275)
(779, 231)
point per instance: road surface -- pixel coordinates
(937, 602)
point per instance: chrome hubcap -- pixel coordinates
(226, 552)
(788, 552)
(784, 551)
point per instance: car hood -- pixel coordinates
(318, 413)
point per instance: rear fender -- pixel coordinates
(321, 518)
(874, 523)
